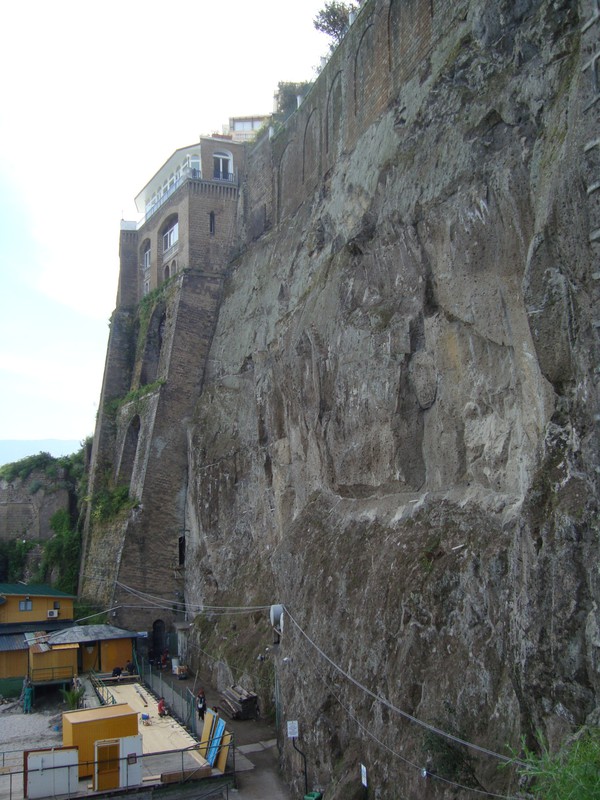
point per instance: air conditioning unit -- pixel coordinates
(53, 613)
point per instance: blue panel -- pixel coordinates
(215, 743)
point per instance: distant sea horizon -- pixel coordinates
(15, 449)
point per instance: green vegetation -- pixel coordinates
(61, 554)
(334, 20)
(287, 94)
(72, 697)
(72, 466)
(85, 614)
(13, 558)
(134, 396)
(108, 503)
(42, 462)
(571, 774)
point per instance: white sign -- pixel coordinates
(363, 774)
(292, 728)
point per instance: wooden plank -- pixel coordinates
(185, 775)
(221, 764)
(209, 721)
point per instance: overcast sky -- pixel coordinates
(94, 99)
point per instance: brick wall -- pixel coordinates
(389, 43)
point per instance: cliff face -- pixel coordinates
(397, 436)
(386, 418)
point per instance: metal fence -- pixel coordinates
(179, 764)
(180, 701)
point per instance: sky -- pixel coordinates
(94, 100)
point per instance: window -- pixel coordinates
(211, 223)
(195, 166)
(146, 255)
(170, 236)
(222, 166)
(25, 605)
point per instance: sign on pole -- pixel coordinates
(292, 729)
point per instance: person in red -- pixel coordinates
(162, 708)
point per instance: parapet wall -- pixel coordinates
(389, 45)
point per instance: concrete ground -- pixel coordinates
(256, 753)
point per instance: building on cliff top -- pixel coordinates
(174, 259)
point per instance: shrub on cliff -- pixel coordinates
(571, 774)
(61, 554)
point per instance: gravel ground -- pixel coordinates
(20, 731)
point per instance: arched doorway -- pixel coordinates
(159, 641)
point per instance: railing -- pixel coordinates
(104, 694)
(229, 177)
(176, 765)
(170, 252)
(52, 674)
(186, 175)
(181, 704)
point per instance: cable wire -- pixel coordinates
(372, 736)
(428, 726)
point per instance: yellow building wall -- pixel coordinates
(13, 664)
(54, 665)
(9, 611)
(115, 653)
(90, 657)
(85, 727)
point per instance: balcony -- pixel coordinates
(186, 175)
(170, 252)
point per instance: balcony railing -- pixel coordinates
(186, 175)
(170, 252)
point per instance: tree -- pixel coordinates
(286, 97)
(334, 19)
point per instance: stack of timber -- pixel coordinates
(239, 703)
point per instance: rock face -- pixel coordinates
(26, 506)
(397, 428)
(397, 434)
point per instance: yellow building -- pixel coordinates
(39, 640)
(22, 604)
(27, 614)
(85, 727)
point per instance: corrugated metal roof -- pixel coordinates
(90, 633)
(48, 625)
(12, 641)
(40, 647)
(35, 589)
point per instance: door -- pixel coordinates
(107, 765)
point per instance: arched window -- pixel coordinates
(223, 166)
(167, 273)
(129, 450)
(146, 258)
(145, 264)
(170, 233)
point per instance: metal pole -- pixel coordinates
(305, 772)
